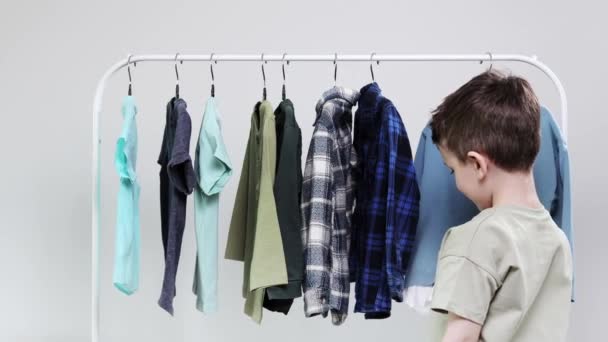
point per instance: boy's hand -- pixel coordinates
(460, 329)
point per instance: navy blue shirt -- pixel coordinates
(177, 180)
(386, 212)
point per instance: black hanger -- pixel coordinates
(212, 76)
(177, 76)
(335, 69)
(491, 60)
(129, 92)
(283, 92)
(371, 65)
(264, 77)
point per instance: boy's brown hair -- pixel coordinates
(493, 114)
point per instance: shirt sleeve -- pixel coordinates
(123, 161)
(126, 144)
(463, 288)
(562, 207)
(402, 205)
(213, 159)
(317, 215)
(467, 276)
(180, 170)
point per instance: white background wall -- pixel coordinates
(53, 52)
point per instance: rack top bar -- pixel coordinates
(332, 57)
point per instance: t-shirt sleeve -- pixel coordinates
(123, 156)
(463, 288)
(121, 159)
(213, 162)
(180, 170)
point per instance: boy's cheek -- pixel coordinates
(470, 190)
(464, 189)
(462, 184)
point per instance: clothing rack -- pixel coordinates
(263, 58)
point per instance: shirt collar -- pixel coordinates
(370, 94)
(261, 111)
(368, 114)
(346, 95)
(284, 108)
(128, 106)
(176, 105)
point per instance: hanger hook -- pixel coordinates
(284, 93)
(129, 72)
(371, 65)
(491, 60)
(283, 65)
(212, 75)
(176, 72)
(263, 72)
(211, 66)
(263, 75)
(177, 75)
(335, 69)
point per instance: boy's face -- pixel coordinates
(471, 176)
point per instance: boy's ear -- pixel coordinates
(480, 163)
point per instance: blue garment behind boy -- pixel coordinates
(442, 206)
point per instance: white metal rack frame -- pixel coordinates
(96, 191)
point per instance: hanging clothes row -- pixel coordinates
(178, 179)
(361, 200)
(360, 205)
(363, 211)
(265, 224)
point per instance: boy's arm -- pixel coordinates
(460, 329)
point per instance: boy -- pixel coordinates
(506, 275)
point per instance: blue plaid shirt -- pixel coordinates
(386, 212)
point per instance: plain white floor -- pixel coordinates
(53, 53)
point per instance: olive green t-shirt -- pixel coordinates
(510, 270)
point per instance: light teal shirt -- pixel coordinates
(126, 259)
(213, 169)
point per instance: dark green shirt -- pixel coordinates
(287, 190)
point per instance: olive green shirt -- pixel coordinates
(509, 269)
(254, 236)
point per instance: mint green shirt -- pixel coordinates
(127, 243)
(213, 169)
